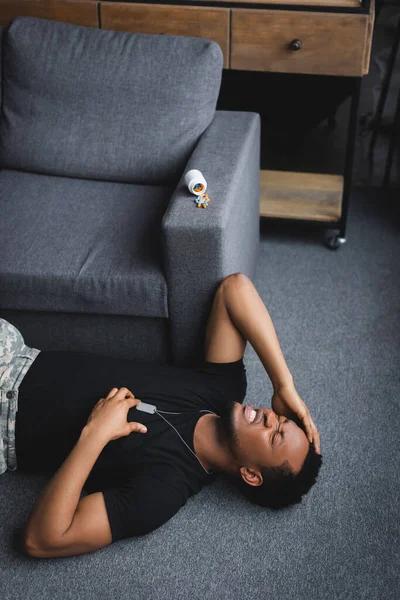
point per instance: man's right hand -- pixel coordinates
(109, 415)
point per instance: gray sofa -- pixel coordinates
(102, 248)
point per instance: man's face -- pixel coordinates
(260, 438)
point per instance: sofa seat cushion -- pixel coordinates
(79, 245)
(102, 104)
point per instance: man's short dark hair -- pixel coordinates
(281, 487)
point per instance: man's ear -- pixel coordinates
(251, 476)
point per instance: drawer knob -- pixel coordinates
(295, 45)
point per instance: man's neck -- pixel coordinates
(213, 455)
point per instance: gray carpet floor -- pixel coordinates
(337, 317)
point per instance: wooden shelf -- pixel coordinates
(311, 3)
(305, 196)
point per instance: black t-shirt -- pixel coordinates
(145, 478)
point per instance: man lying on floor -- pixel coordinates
(139, 469)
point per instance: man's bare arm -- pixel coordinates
(62, 524)
(239, 315)
(50, 528)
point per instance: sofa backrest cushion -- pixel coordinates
(102, 104)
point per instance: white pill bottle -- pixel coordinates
(196, 183)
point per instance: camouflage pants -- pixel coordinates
(15, 360)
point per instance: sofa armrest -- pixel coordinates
(203, 246)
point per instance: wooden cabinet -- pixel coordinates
(301, 3)
(76, 12)
(298, 42)
(196, 21)
(318, 37)
(304, 196)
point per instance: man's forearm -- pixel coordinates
(55, 508)
(251, 317)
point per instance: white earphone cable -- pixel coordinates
(177, 432)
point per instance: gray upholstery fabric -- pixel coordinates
(136, 338)
(101, 104)
(80, 242)
(71, 245)
(202, 246)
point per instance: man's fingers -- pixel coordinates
(138, 427)
(315, 436)
(112, 392)
(311, 432)
(317, 443)
(128, 396)
(123, 392)
(132, 401)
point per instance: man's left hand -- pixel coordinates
(286, 401)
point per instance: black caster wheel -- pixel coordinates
(333, 241)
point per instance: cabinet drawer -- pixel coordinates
(210, 23)
(302, 3)
(331, 43)
(76, 12)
